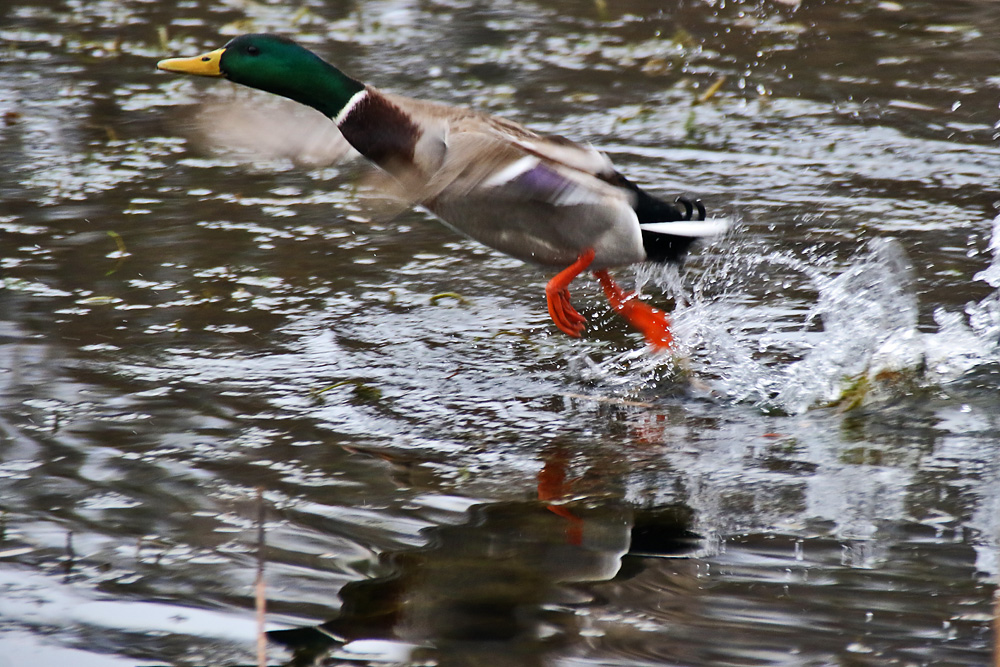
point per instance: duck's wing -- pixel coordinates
(483, 160)
(250, 126)
(510, 193)
(459, 152)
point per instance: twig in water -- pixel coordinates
(712, 90)
(261, 598)
(449, 295)
(122, 252)
(996, 629)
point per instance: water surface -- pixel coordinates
(447, 479)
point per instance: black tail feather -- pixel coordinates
(662, 248)
(666, 248)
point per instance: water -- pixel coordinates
(194, 311)
(861, 334)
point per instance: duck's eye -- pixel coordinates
(253, 50)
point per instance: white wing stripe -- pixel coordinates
(511, 171)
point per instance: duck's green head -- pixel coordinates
(277, 65)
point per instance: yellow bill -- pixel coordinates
(203, 65)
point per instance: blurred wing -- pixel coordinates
(582, 158)
(254, 127)
(485, 165)
(251, 127)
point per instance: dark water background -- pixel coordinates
(815, 482)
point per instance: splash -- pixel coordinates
(745, 329)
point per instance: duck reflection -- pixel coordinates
(503, 588)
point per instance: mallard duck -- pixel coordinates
(542, 199)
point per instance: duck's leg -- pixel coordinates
(553, 486)
(651, 322)
(557, 296)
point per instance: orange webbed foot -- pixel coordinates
(557, 296)
(653, 323)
